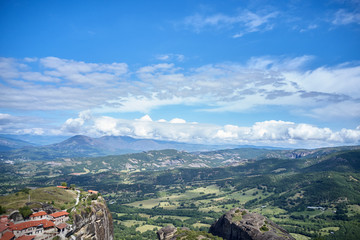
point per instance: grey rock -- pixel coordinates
(240, 224)
(95, 224)
(166, 233)
(16, 216)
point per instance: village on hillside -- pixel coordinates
(42, 224)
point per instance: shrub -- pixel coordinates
(88, 209)
(264, 228)
(2, 210)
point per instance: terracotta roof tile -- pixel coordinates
(61, 226)
(59, 214)
(4, 219)
(3, 227)
(7, 236)
(93, 191)
(26, 237)
(28, 224)
(37, 214)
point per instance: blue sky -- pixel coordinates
(281, 73)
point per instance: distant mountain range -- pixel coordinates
(7, 144)
(38, 140)
(84, 146)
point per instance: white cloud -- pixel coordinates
(103, 88)
(344, 17)
(279, 64)
(171, 57)
(155, 67)
(341, 110)
(242, 23)
(84, 73)
(275, 133)
(27, 59)
(74, 125)
(310, 27)
(177, 120)
(146, 118)
(107, 126)
(334, 80)
(30, 131)
(11, 124)
(308, 132)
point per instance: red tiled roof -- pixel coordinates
(38, 214)
(26, 237)
(4, 219)
(47, 223)
(59, 214)
(28, 224)
(92, 191)
(3, 227)
(62, 187)
(7, 236)
(61, 226)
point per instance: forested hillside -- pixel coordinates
(311, 193)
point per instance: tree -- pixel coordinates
(25, 211)
(64, 184)
(25, 190)
(2, 210)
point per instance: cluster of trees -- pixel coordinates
(129, 233)
(349, 230)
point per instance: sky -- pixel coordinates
(274, 73)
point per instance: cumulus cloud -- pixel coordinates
(273, 132)
(75, 125)
(177, 120)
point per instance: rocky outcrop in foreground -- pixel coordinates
(173, 233)
(93, 222)
(240, 224)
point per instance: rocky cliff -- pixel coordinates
(93, 222)
(240, 224)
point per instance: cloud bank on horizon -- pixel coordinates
(298, 93)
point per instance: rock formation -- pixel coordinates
(173, 233)
(240, 224)
(166, 233)
(16, 216)
(93, 222)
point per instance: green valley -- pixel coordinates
(311, 193)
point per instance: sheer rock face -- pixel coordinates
(240, 224)
(95, 223)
